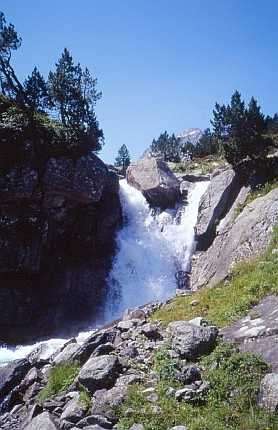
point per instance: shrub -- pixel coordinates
(60, 378)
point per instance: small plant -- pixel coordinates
(164, 365)
(85, 398)
(60, 378)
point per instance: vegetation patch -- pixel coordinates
(230, 404)
(60, 378)
(259, 191)
(228, 301)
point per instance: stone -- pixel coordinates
(92, 420)
(137, 427)
(156, 181)
(66, 354)
(94, 341)
(43, 421)
(248, 235)
(131, 314)
(74, 410)
(257, 332)
(151, 331)
(99, 372)
(268, 394)
(11, 375)
(215, 202)
(105, 402)
(191, 341)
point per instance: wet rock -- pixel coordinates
(191, 341)
(94, 341)
(11, 375)
(43, 421)
(268, 394)
(156, 181)
(66, 354)
(99, 372)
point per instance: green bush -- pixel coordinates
(60, 378)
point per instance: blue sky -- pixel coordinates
(160, 64)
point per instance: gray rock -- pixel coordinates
(151, 331)
(43, 421)
(74, 410)
(191, 341)
(66, 354)
(257, 332)
(92, 420)
(11, 375)
(268, 394)
(137, 314)
(215, 202)
(156, 181)
(137, 427)
(105, 402)
(247, 236)
(94, 341)
(99, 372)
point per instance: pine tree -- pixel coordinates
(9, 41)
(73, 94)
(36, 91)
(123, 159)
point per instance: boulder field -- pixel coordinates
(57, 227)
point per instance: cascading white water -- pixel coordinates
(151, 248)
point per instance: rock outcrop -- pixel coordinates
(57, 227)
(258, 331)
(156, 181)
(239, 237)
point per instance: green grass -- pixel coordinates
(85, 398)
(60, 378)
(201, 166)
(230, 300)
(230, 404)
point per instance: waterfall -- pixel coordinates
(151, 249)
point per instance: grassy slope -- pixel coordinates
(249, 283)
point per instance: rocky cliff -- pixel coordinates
(57, 227)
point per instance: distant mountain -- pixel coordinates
(192, 135)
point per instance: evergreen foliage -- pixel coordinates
(239, 130)
(123, 158)
(167, 147)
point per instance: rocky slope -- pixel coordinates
(57, 227)
(228, 229)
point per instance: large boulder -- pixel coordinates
(99, 372)
(244, 235)
(57, 230)
(257, 332)
(215, 203)
(155, 180)
(191, 341)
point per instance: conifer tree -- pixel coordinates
(123, 158)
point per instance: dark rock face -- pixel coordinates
(156, 181)
(57, 228)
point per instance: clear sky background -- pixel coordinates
(161, 64)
